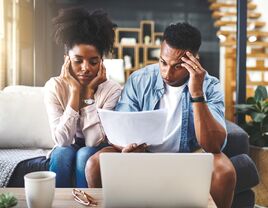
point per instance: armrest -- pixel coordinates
(247, 174)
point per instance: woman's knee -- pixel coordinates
(62, 155)
(85, 152)
(83, 155)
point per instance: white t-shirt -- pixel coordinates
(171, 101)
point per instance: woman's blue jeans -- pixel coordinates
(69, 164)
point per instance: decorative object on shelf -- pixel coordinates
(127, 61)
(136, 46)
(257, 127)
(128, 41)
(155, 53)
(147, 40)
(158, 42)
(115, 69)
(8, 200)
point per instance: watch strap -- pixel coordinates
(200, 99)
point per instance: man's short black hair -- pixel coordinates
(183, 36)
(79, 26)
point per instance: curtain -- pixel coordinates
(16, 38)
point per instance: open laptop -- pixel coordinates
(156, 179)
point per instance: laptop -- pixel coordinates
(156, 179)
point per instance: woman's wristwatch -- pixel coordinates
(89, 101)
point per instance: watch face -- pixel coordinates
(89, 101)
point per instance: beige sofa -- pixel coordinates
(24, 128)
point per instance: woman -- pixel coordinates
(73, 97)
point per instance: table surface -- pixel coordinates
(64, 198)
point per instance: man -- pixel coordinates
(195, 106)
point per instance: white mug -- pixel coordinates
(39, 189)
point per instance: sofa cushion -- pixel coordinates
(244, 199)
(246, 172)
(23, 118)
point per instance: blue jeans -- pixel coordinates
(70, 161)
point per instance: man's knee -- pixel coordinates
(92, 164)
(225, 174)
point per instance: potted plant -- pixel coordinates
(256, 125)
(7, 200)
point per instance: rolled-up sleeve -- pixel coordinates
(215, 102)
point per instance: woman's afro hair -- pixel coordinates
(79, 26)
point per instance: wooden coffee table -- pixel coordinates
(64, 198)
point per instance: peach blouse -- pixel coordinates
(66, 123)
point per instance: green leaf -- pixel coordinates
(263, 105)
(251, 100)
(260, 93)
(7, 200)
(257, 108)
(245, 108)
(257, 117)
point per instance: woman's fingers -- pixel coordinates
(102, 70)
(64, 66)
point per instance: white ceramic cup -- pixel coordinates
(39, 189)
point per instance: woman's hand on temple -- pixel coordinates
(68, 78)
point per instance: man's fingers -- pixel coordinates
(135, 148)
(141, 148)
(117, 147)
(189, 68)
(190, 63)
(129, 148)
(192, 58)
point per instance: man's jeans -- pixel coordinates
(69, 164)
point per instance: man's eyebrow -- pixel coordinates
(162, 59)
(172, 64)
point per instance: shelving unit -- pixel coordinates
(141, 44)
(224, 15)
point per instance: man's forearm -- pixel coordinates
(210, 134)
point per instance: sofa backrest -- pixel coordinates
(237, 140)
(23, 118)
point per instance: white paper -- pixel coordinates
(123, 128)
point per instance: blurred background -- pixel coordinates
(29, 55)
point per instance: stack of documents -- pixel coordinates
(123, 128)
